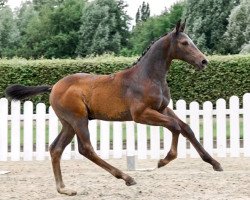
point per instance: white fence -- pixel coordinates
(223, 132)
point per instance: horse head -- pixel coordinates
(183, 48)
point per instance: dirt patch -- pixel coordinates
(181, 179)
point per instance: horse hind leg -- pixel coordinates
(56, 150)
(86, 149)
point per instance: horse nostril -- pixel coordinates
(204, 62)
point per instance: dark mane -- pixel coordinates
(147, 49)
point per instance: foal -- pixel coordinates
(139, 93)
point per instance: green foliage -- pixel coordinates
(69, 28)
(2, 3)
(237, 35)
(39, 4)
(146, 32)
(50, 28)
(9, 34)
(224, 77)
(28, 24)
(52, 31)
(207, 22)
(137, 16)
(143, 13)
(104, 27)
(245, 49)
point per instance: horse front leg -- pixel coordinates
(153, 117)
(172, 154)
(187, 132)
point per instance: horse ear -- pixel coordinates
(182, 28)
(177, 27)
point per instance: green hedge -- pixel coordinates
(225, 76)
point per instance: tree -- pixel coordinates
(3, 3)
(9, 34)
(138, 16)
(64, 24)
(237, 36)
(51, 31)
(207, 22)
(143, 13)
(123, 22)
(146, 32)
(245, 49)
(25, 14)
(38, 4)
(104, 27)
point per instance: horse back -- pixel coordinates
(102, 96)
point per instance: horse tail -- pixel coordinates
(19, 92)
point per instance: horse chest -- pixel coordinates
(158, 98)
(160, 103)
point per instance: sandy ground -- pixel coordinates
(181, 179)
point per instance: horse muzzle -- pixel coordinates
(202, 65)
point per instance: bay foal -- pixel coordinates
(139, 93)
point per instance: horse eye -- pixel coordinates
(185, 43)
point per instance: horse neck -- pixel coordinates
(156, 62)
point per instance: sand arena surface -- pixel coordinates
(181, 179)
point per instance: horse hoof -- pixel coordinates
(218, 168)
(67, 192)
(161, 163)
(130, 182)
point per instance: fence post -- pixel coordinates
(53, 125)
(208, 127)
(246, 124)
(142, 141)
(117, 139)
(28, 131)
(93, 133)
(67, 152)
(221, 135)
(195, 126)
(15, 130)
(130, 137)
(105, 139)
(155, 142)
(4, 129)
(181, 113)
(40, 131)
(77, 154)
(167, 135)
(234, 127)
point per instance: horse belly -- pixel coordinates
(109, 107)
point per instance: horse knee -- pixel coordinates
(55, 152)
(174, 127)
(187, 131)
(136, 117)
(86, 151)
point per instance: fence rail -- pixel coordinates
(223, 132)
